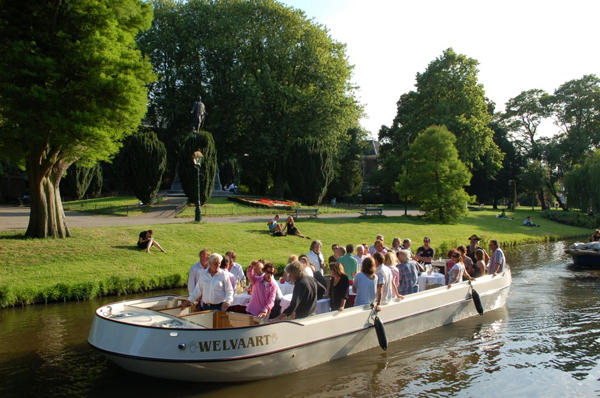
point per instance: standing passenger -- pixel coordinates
(425, 253)
(497, 260)
(315, 257)
(349, 261)
(264, 292)
(213, 287)
(386, 291)
(304, 297)
(409, 274)
(338, 287)
(194, 273)
(365, 283)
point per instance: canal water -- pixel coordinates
(545, 342)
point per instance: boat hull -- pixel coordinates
(584, 258)
(291, 346)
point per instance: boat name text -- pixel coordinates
(230, 344)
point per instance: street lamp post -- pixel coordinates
(197, 158)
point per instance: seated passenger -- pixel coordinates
(309, 269)
(338, 287)
(304, 297)
(480, 265)
(365, 283)
(213, 287)
(458, 271)
(409, 273)
(264, 292)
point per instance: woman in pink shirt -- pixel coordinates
(264, 291)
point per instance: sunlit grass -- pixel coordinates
(104, 260)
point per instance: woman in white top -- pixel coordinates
(458, 271)
(365, 283)
(214, 287)
(315, 257)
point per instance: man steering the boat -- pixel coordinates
(213, 287)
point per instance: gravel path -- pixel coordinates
(16, 218)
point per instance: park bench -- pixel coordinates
(305, 212)
(372, 211)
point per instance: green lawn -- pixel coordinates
(113, 205)
(101, 261)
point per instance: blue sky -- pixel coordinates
(520, 44)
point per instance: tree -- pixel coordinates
(435, 175)
(533, 179)
(267, 74)
(524, 113)
(144, 159)
(448, 93)
(348, 180)
(72, 85)
(309, 171)
(583, 184)
(203, 142)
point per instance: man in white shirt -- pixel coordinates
(315, 257)
(194, 273)
(214, 287)
(236, 269)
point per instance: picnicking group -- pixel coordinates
(353, 275)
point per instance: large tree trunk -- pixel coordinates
(46, 217)
(542, 199)
(562, 205)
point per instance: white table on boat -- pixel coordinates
(286, 288)
(241, 299)
(426, 280)
(322, 305)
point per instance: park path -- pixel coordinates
(16, 218)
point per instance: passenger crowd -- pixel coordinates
(375, 274)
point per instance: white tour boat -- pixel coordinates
(156, 337)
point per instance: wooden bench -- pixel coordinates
(313, 213)
(372, 211)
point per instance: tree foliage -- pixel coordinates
(77, 180)
(144, 159)
(72, 85)
(583, 184)
(447, 93)
(348, 179)
(309, 169)
(267, 74)
(435, 176)
(203, 142)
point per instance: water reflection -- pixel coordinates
(545, 342)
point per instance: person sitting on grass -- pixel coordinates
(595, 236)
(145, 241)
(290, 228)
(264, 292)
(529, 223)
(274, 227)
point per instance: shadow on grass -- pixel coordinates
(14, 236)
(127, 247)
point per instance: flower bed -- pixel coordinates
(265, 202)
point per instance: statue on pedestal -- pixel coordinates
(199, 112)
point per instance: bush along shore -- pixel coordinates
(105, 261)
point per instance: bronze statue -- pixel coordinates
(199, 112)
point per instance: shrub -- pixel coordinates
(309, 171)
(143, 160)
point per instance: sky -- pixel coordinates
(520, 45)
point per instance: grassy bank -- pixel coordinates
(104, 261)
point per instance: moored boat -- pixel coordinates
(156, 337)
(585, 254)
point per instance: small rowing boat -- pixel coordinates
(157, 337)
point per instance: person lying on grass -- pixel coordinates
(145, 241)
